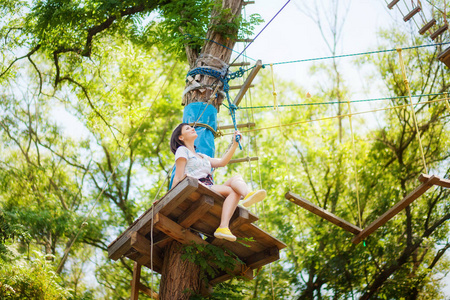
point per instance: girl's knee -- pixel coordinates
(237, 177)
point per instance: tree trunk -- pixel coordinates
(181, 275)
(180, 278)
(212, 54)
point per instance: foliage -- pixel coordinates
(30, 279)
(111, 168)
(203, 255)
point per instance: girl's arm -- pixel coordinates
(222, 162)
(180, 165)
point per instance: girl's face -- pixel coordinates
(187, 133)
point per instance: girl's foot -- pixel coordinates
(224, 233)
(254, 197)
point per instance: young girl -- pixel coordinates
(197, 165)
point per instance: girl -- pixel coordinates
(197, 165)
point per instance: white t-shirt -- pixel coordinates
(195, 166)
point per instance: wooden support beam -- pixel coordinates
(143, 246)
(238, 87)
(263, 258)
(248, 82)
(148, 291)
(294, 198)
(248, 2)
(166, 204)
(395, 209)
(196, 211)
(240, 64)
(245, 125)
(135, 281)
(444, 57)
(442, 182)
(185, 236)
(240, 216)
(392, 4)
(427, 26)
(411, 13)
(244, 40)
(244, 159)
(438, 32)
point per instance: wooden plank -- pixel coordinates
(395, 209)
(196, 211)
(148, 291)
(231, 126)
(238, 87)
(442, 182)
(239, 217)
(240, 64)
(411, 13)
(261, 236)
(175, 231)
(146, 261)
(248, 82)
(294, 198)
(444, 57)
(244, 159)
(171, 200)
(263, 258)
(143, 246)
(135, 281)
(427, 26)
(439, 31)
(392, 4)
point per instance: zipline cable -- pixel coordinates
(336, 117)
(265, 26)
(337, 102)
(354, 54)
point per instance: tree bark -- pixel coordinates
(213, 54)
(180, 278)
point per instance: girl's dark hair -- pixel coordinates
(175, 142)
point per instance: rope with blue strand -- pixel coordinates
(224, 77)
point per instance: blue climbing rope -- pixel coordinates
(224, 77)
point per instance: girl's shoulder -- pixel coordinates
(182, 151)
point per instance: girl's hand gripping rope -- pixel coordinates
(237, 138)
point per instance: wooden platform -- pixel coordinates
(427, 182)
(192, 205)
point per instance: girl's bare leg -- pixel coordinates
(229, 205)
(238, 184)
